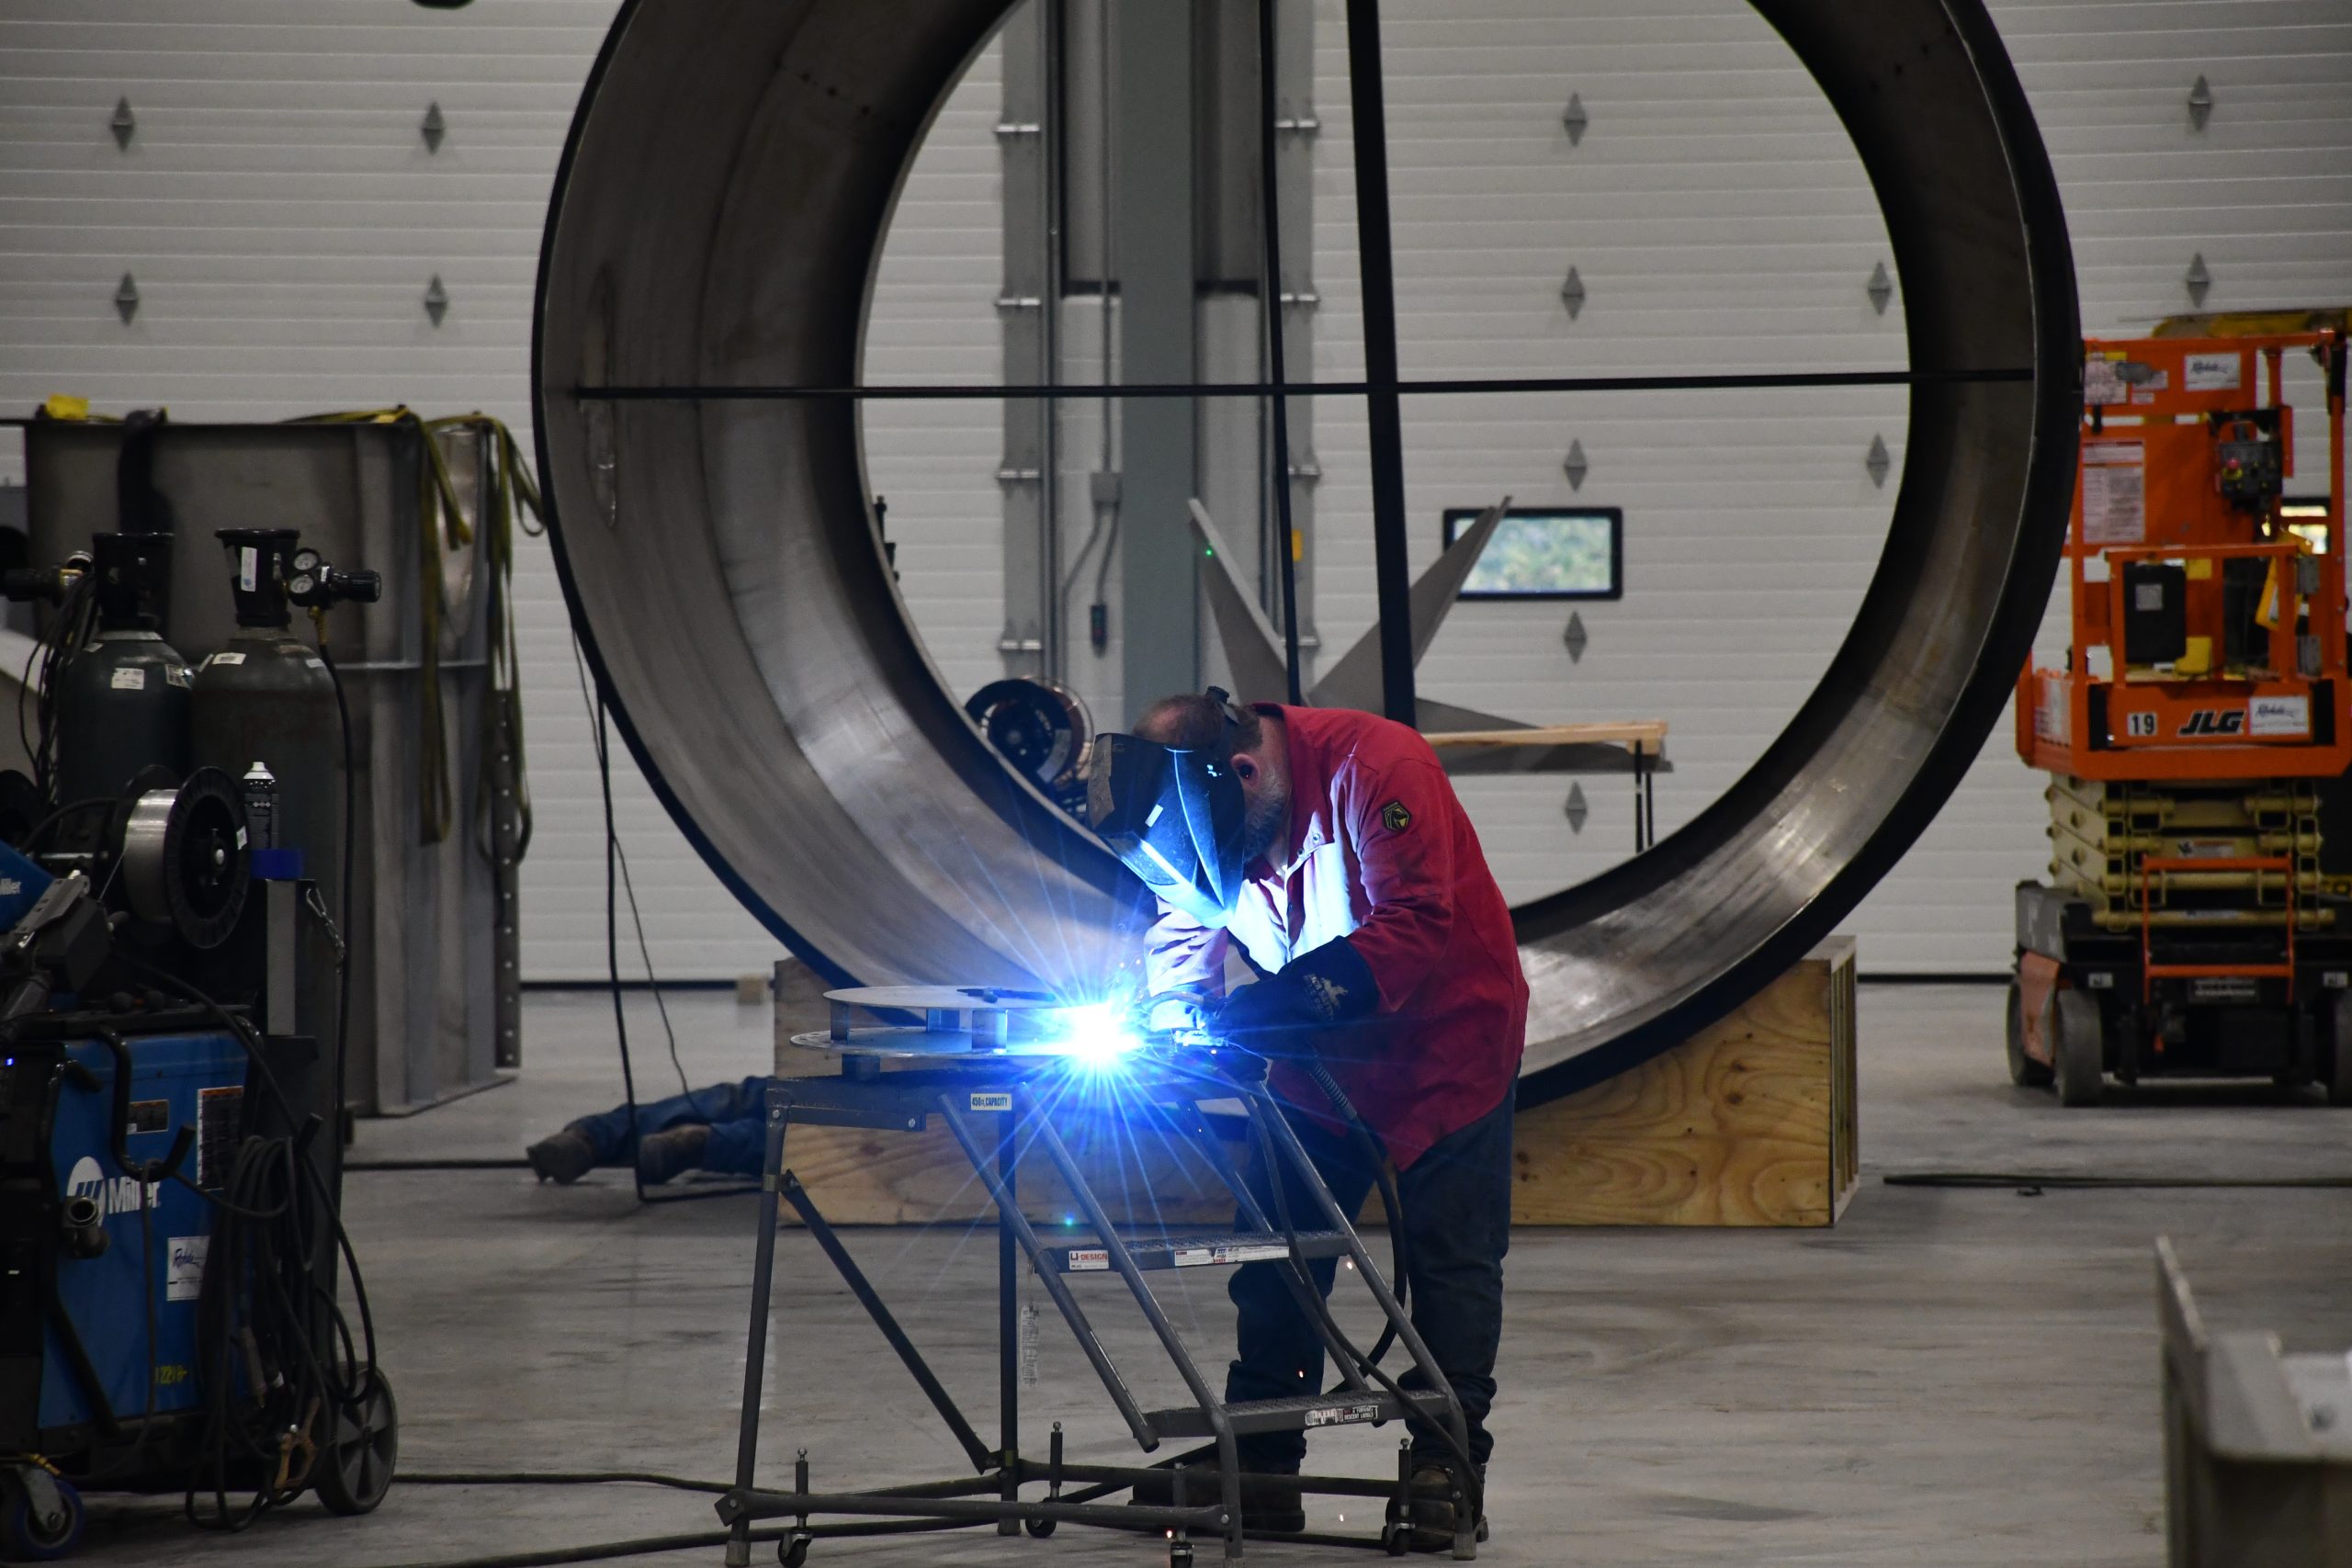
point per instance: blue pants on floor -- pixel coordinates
(735, 1112)
(1457, 1218)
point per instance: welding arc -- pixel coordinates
(710, 250)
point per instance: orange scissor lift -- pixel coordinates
(2197, 736)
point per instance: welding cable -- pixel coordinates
(274, 1206)
(343, 893)
(650, 1546)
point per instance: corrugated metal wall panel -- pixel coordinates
(283, 217)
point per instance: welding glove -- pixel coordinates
(1169, 1013)
(1330, 985)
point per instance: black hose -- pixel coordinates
(1376, 1158)
(343, 936)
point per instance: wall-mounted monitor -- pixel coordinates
(1546, 552)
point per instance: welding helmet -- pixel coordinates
(1174, 816)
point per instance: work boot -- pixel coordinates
(564, 1158)
(1435, 1512)
(1268, 1502)
(660, 1156)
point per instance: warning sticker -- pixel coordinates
(2211, 373)
(2115, 493)
(1344, 1414)
(2052, 718)
(174, 675)
(1087, 1260)
(2279, 716)
(131, 678)
(224, 658)
(220, 1115)
(2102, 385)
(185, 1281)
(1252, 1252)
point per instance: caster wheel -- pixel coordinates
(1395, 1540)
(1180, 1554)
(357, 1454)
(41, 1516)
(2024, 1071)
(792, 1551)
(2078, 1044)
(1039, 1528)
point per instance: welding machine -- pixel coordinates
(169, 1180)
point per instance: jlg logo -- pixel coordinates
(2215, 721)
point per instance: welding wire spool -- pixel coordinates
(185, 859)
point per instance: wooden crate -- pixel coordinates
(1750, 1124)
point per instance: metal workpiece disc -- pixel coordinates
(716, 221)
(944, 998)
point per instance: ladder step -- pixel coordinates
(1196, 1251)
(1298, 1411)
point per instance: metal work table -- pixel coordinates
(985, 1064)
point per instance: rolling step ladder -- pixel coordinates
(1000, 1112)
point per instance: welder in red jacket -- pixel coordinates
(1353, 883)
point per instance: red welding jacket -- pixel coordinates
(1379, 851)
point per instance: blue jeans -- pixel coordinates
(1457, 1226)
(736, 1113)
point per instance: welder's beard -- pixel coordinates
(1266, 818)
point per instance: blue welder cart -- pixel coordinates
(169, 1178)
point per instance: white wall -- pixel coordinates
(282, 218)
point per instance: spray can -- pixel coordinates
(261, 806)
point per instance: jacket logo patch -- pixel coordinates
(1395, 814)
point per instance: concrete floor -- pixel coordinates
(1948, 1378)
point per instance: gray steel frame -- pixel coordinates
(1173, 1094)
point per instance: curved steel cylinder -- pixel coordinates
(716, 221)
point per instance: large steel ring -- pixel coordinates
(716, 221)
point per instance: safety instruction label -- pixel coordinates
(2279, 716)
(1251, 1252)
(132, 678)
(2115, 493)
(2101, 384)
(1087, 1260)
(991, 1103)
(185, 1279)
(2211, 373)
(219, 1114)
(174, 675)
(1344, 1414)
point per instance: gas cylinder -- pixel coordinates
(266, 697)
(122, 703)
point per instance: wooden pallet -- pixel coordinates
(1750, 1124)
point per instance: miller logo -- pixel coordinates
(117, 1195)
(2215, 721)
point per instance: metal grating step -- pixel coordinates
(1340, 1409)
(1196, 1251)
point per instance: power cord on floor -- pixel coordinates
(615, 880)
(1996, 1180)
